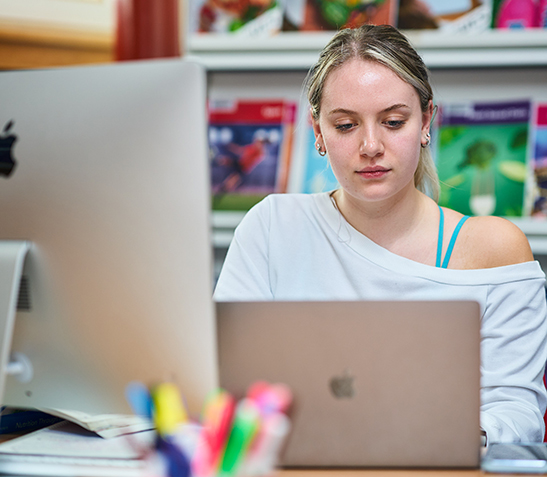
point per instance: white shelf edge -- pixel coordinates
(269, 61)
(314, 41)
(290, 51)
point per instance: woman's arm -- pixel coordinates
(514, 335)
(245, 272)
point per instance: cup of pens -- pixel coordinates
(234, 438)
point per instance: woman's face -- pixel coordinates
(371, 125)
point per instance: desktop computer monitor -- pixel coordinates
(104, 172)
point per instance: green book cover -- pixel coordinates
(482, 157)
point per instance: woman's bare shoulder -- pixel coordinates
(490, 242)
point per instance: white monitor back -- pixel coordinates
(111, 187)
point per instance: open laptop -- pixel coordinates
(375, 383)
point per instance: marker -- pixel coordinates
(217, 418)
(265, 452)
(138, 397)
(244, 428)
(177, 463)
(271, 398)
(169, 410)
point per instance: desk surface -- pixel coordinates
(383, 473)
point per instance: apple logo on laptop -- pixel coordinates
(7, 140)
(342, 386)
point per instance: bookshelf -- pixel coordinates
(491, 65)
(297, 51)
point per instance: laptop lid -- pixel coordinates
(375, 384)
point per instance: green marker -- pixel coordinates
(244, 428)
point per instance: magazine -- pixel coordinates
(482, 157)
(320, 15)
(250, 145)
(456, 16)
(539, 161)
(311, 172)
(266, 17)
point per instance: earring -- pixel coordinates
(320, 149)
(427, 140)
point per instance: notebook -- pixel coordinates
(375, 383)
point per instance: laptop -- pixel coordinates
(375, 383)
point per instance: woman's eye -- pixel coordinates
(395, 124)
(344, 127)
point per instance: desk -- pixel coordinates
(385, 473)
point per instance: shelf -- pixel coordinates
(298, 51)
(224, 224)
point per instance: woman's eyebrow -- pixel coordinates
(387, 110)
(342, 111)
(396, 106)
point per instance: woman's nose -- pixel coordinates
(371, 143)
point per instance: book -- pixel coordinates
(65, 449)
(457, 16)
(321, 15)
(482, 157)
(242, 17)
(539, 160)
(311, 172)
(104, 425)
(250, 145)
(515, 14)
(266, 17)
(14, 420)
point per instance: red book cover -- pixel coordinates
(250, 149)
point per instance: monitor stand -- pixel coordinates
(12, 259)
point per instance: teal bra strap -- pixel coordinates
(440, 240)
(452, 240)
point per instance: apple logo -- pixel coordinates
(7, 140)
(342, 386)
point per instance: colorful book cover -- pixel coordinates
(482, 157)
(539, 161)
(456, 16)
(311, 172)
(244, 17)
(515, 14)
(255, 18)
(320, 15)
(250, 149)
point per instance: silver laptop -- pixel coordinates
(375, 384)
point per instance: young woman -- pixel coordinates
(381, 235)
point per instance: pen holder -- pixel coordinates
(233, 438)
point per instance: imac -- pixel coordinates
(105, 214)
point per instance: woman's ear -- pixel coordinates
(427, 117)
(317, 131)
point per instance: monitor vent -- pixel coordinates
(23, 300)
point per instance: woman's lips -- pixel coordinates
(373, 172)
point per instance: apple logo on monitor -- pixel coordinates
(7, 140)
(342, 386)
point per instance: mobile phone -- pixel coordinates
(516, 458)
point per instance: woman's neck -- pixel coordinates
(393, 224)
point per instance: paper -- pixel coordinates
(105, 425)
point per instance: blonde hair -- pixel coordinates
(387, 46)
